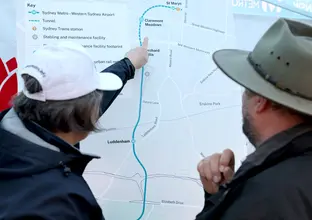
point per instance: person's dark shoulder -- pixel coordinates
(280, 192)
(77, 197)
(53, 195)
(289, 174)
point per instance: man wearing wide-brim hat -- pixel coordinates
(275, 181)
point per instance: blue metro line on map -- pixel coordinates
(34, 12)
(140, 105)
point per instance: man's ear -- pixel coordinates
(261, 104)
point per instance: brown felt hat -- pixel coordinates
(279, 68)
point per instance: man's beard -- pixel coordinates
(249, 130)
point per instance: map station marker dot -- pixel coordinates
(147, 74)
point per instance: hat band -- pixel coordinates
(268, 78)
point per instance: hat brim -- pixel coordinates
(109, 82)
(234, 64)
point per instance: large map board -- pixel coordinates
(178, 109)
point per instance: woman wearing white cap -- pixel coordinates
(40, 163)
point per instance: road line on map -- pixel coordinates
(149, 214)
(187, 118)
(112, 179)
(179, 118)
(163, 205)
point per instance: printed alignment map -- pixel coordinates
(178, 108)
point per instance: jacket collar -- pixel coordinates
(33, 132)
(276, 143)
(289, 143)
(14, 125)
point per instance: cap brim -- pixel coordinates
(235, 65)
(109, 82)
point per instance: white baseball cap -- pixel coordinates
(66, 71)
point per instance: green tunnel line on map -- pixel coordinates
(140, 107)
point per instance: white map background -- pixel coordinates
(189, 108)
